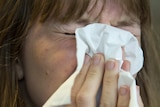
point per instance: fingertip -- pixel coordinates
(110, 64)
(124, 90)
(126, 65)
(87, 59)
(124, 96)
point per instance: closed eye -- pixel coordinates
(65, 33)
(124, 23)
(69, 33)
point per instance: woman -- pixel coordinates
(37, 39)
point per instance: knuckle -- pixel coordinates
(92, 73)
(82, 98)
(122, 105)
(109, 81)
(106, 104)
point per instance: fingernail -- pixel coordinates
(123, 90)
(110, 64)
(87, 59)
(126, 65)
(96, 59)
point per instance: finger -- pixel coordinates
(109, 87)
(80, 79)
(123, 53)
(126, 65)
(140, 102)
(123, 96)
(87, 95)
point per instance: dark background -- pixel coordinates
(155, 9)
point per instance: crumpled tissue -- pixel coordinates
(109, 40)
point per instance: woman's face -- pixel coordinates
(50, 50)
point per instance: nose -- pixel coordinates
(105, 20)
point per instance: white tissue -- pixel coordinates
(102, 38)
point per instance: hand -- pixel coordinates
(94, 72)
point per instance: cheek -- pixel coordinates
(57, 56)
(48, 63)
(62, 60)
(57, 61)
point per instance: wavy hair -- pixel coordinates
(17, 16)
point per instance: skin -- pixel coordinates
(50, 58)
(88, 89)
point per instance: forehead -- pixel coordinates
(67, 10)
(130, 7)
(107, 6)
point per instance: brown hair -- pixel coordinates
(17, 16)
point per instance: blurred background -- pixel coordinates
(155, 10)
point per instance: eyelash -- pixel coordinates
(69, 33)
